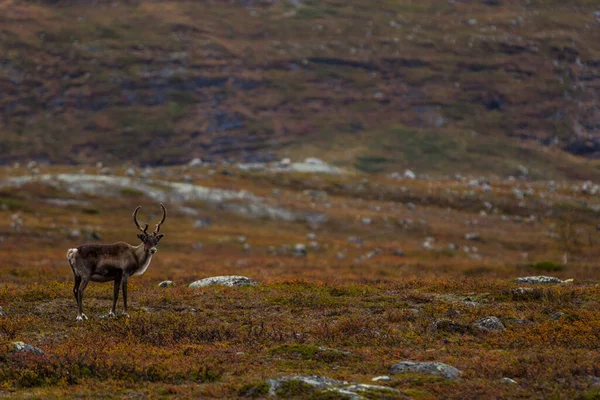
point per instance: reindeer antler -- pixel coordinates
(136, 221)
(162, 220)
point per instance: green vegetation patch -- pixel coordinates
(254, 390)
(547, 266)
(311, 352)
(371, 163)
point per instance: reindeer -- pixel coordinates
(113, 262)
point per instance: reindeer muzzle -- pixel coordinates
(153, 250)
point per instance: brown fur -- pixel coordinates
(112, 262)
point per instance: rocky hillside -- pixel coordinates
(452, 86)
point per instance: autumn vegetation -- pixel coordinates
(330, 313)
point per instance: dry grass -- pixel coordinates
(223, 342)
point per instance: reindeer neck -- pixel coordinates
(141, 253)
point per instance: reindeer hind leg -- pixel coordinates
(84, 282)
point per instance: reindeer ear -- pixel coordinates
(140, 236)
(159, 236)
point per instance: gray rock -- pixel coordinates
(526, 293)
(408, 174)
(2, 313)
(232, 280)
(594, 380)
(557, 315)
(317, 382)
(195, 162)
(399, 253)
(508, 381)
(299, 250)
(355, 239)
(20, 347)
(431, 368)
(240, 202)
(313, 245)
(472, 236)
(382, 378)
(353, 391)
(489, 324)
(75, 234)
(165, 284)
(539, 279)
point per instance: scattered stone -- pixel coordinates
(366, 220)
(382, 378)
(317, 382)
(17, 222)
(453, 246)
(490, 324)
(399, 253)
(523, 170)
(338, 389)
(300, 250)
(92, 235)
(75, 234)
(408, 174)
(526, 293)
(508, 381)
(311, 236)
(20, 347)
(557, 315)
(247, 247)
(368, 255)
(242, 239)
(195, 162)
(355, 239)
(204, 222)
(432, 368)
(313, 245)
(165, 284)
(594, 380)
(285, 162)
(197, 246)
(411, 206)
(539, 280)
(472, 236)
(2, 313)
(232, 280)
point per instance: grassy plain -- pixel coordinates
(220, 342)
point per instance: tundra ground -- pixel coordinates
(353, 291)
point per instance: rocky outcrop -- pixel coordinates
(232, 280)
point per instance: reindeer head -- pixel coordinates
(150, 240)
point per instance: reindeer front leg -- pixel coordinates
(84, 282)
(116, 287)
(125, 296)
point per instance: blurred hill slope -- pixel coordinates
(456, 86)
